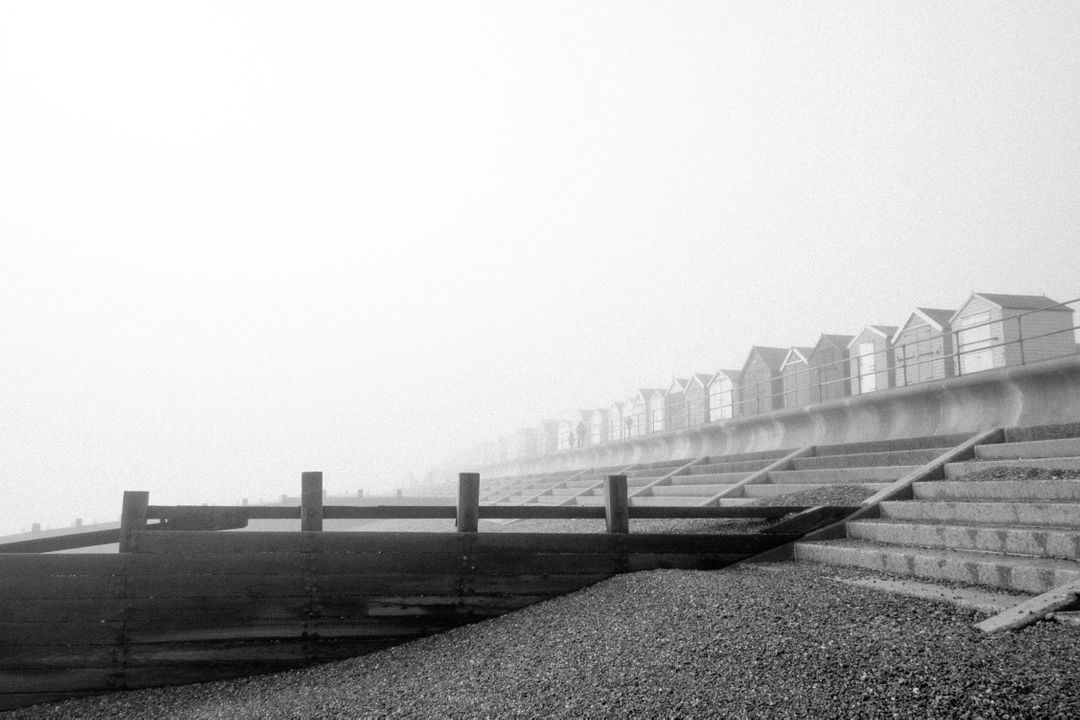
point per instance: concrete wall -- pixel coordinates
(1038, 394)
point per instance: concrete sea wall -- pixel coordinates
(1038, 394)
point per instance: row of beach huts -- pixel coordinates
(988, 331)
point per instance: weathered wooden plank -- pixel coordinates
(29, 658)
(175, 586)
(237, 564)
(59, 680)
(29, 589)
(170, 611)
(66, 609)
(621, 543)
(90, 538)
(220, 652)
(59, 632)
(292, 542)
(554, 584)
(136, 633)
(24, 565)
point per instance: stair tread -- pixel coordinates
(975, 556)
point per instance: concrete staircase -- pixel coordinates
(1014, 533)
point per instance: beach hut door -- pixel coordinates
(974, 343)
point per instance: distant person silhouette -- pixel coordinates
(582, 434)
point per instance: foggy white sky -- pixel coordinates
(243, 240)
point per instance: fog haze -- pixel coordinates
(243, 240)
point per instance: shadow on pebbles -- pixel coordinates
(758, 641)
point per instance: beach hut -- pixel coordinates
(795, 376)
(989, 328)
(635, 414)
(923, 347)
(598, 426)
(616, 421)
(567, 437)
(654, 409)
(722, 391)
(549, 436)
(762, 386)
(697, 399)
(829, 372)
(675, 404)
(871, 359)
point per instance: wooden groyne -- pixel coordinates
(184, 601)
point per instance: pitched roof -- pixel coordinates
(937, 318)
(885, 331)
(838, 340)
(733, 375)
(679, 383)
(802, 354)
(1015, 302)
(773, 356)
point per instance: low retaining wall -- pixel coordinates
(1038, 394)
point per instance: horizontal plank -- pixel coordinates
(441, 543)
(303, 651)
(60, 679)
(170, 586)
(29, 589)
(67, 609)
(94, 564)
(399, 627)
(192, 515)
(43, 657)
(293, 542)
(59, 633)
(69, 541)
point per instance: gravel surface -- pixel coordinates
(784, 641)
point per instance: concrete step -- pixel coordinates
(735, 502)
(986, 513)
(1065, 447)
(659, 471)
(589, 500)
(873, 446)
(710, 478)
(894, 457)
(771, 490)
(1012, 490)
(960, 469)
(668, 501)
(1020, 574)
(564, 491)
(834, 476)
(746, 466)
(687, 490)
(583, 483)
(1009, 540)
(551, 499)
(770, 455)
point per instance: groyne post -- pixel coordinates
(468, 502)
(133, 517)
(616, 504)
(311, 501)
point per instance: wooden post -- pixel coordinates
(311, 505)
(616, 504)
(132, 517)
(468, 502)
